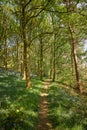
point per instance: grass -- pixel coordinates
(18, 106)
(68, 111)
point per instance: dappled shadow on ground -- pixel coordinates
(18, 106)
(67, 111)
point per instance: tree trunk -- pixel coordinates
(26, 65)
(41, 58)
(26, 46)
(17, 48)
(73, 42)
(21, 61)
(54, 69)
(5, 52)
(50, 71)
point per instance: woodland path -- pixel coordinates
(44, 123)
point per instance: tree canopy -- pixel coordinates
(45, 38)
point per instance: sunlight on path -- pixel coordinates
(44, 123)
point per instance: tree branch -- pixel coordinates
(39, 35)
(27, 4)
(37, 13)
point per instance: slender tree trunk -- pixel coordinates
(41, 58)
(20, 58)
(51, 61)
(21, 61)
(50, 73)
(73, 43)
(26, 46)
(26, 65)
(17, 57)
(54, 56)
(38, 65)
(5, 52)
(76, 65)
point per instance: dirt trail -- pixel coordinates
(44, 123)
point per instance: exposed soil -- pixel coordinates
(44, 123)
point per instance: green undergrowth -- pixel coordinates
(18, 105)
(67, 111)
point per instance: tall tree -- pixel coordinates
(26, 44)
(73, 40)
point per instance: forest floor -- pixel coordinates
(44, 123)
(46, 106)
